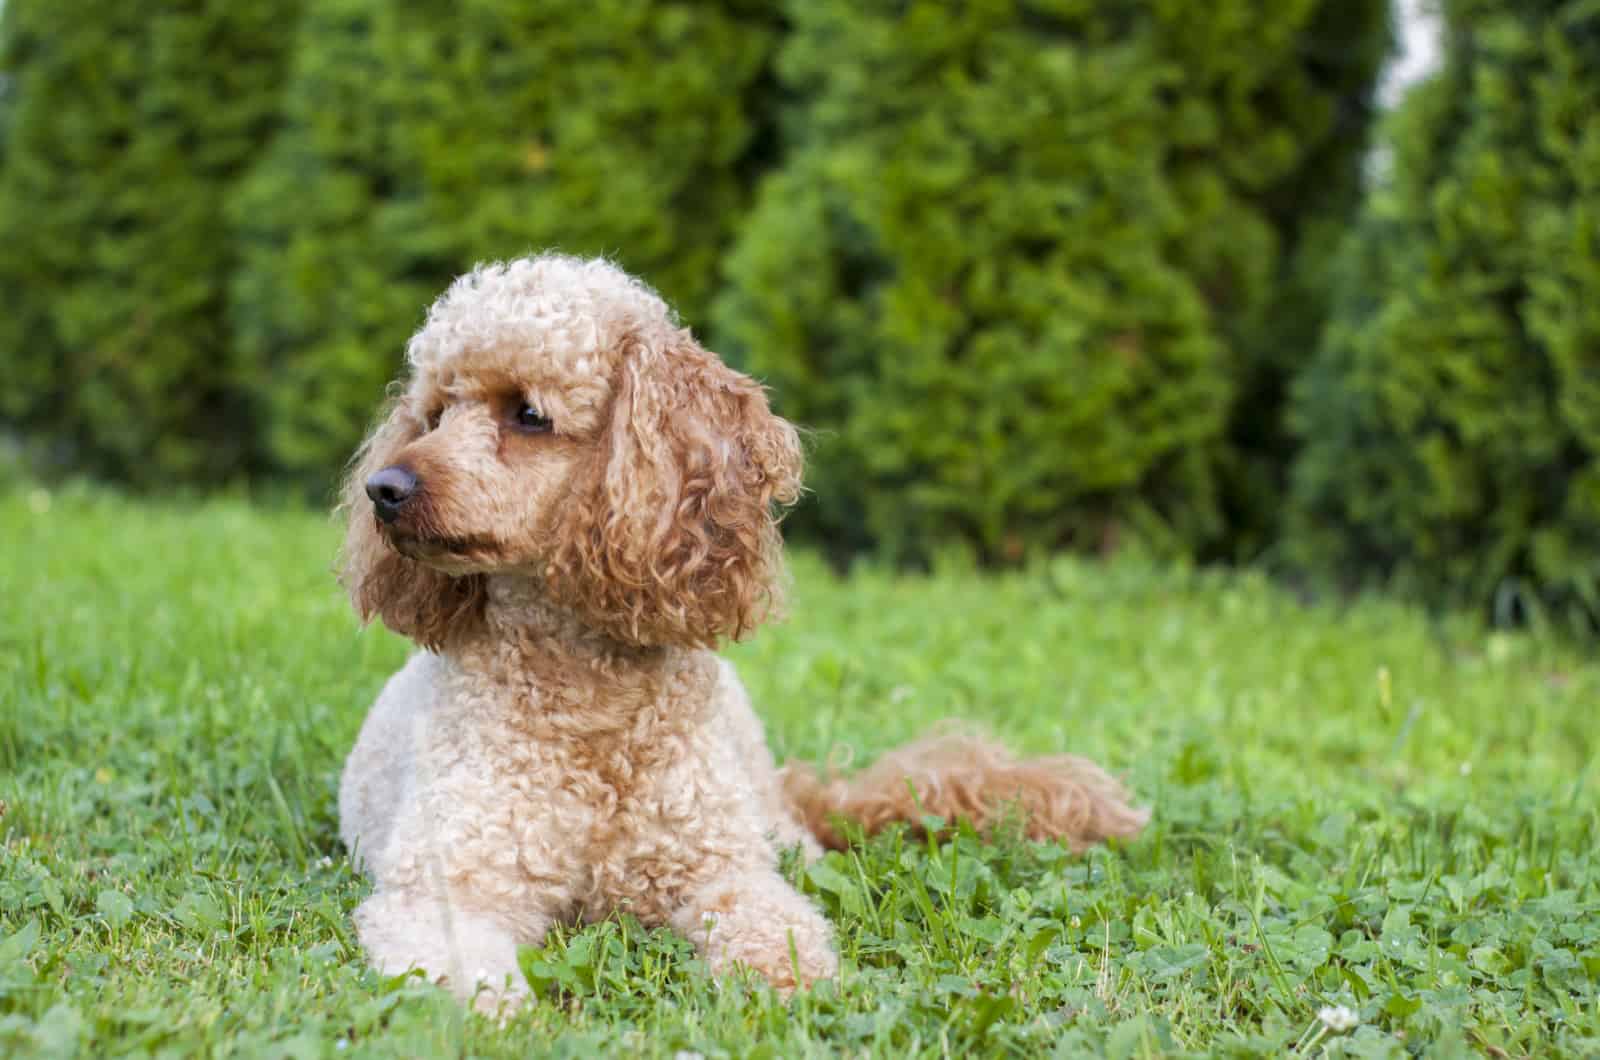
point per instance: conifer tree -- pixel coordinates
(426, 136)
(124, 126)
(1450, 420)
(1022, 258)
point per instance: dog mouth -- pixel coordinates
(433, 547)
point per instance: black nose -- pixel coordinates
(390, 489)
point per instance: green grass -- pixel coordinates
(1355, 806)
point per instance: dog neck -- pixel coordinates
(564, 674)
(520, 617)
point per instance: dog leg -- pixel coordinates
(472, 954)
(756, 919)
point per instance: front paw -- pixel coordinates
(472, 955)
(769, 929)
(797, 960)
(500, 1001)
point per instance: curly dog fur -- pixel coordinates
(586, 507)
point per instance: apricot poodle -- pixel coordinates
(567, 507)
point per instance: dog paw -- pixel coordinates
(787, 955)
(499, 1001)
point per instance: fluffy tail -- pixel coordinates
(962, 775)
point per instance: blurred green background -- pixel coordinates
(1038, 274)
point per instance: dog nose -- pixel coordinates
(390, 489)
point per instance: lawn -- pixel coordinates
(1356, 806)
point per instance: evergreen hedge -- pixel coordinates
(1451, 420)
(1034, 270)
(124, 125)
(1024, 260)
(424, 136)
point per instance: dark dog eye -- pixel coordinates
(532, 420)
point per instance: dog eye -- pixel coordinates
(532, 420)
(433, 418)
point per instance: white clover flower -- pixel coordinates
(1338, 1018)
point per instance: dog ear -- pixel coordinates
(413, 600)
(674, 539)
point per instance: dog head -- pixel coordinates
(557, 424)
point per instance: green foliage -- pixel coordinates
(1328, 87)
(1022, 256)
(425, 137)
(1033, 269)
(1452, 418)
(124, 125)
(1365, 807)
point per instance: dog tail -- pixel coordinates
(961, 775)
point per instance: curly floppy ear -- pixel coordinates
(413, 600)
(674, 538)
